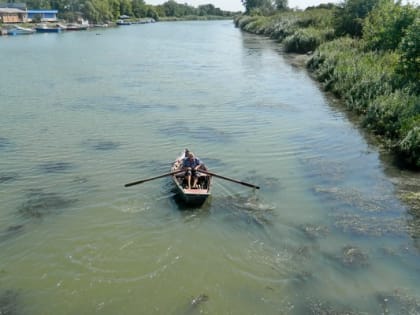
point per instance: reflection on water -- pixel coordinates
(39, 203)
(56, 167)
(101, 145)
(333, 230)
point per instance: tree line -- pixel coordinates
(366, 52)
(102, 11)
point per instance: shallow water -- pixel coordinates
(84, 113)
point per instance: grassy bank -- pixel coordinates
(380, 85)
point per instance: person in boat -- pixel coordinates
(191, 164)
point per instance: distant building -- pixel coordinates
(43, 15)
(12, 12)
(17, 13)
(11, 15)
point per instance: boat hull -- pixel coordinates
(48, 30)
(76, 28)
(191, 197)
(20, 31)
(123, 23)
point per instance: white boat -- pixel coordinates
(76, 27)
(18, 30)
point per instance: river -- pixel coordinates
(83, 113)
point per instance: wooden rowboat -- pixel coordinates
(193, 197)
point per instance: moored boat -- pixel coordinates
(194, 196)
(76, 27)
(123, 22)
(44, 28)
(18, 30)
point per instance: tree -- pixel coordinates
(409, 65)
(170, 8)
(160, 10)
(38, 4)
(114, 7)
(255, 4)
(348, 17)
(139, 8)
(126, 7)
(206, 9)
(386, 25)
(152, 12)
(90, 12)
(281, 4)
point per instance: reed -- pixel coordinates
(300, 32)
(306, 40)
(368, 84)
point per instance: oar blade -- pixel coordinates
(230, 179)
(134, 183)
(250, 185)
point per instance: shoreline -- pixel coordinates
(406, 181)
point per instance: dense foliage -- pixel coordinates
(366, 52)
(386, 25)
(265, 6)
(349, 16)
(99, 11)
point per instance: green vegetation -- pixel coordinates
(366, 52)
(102, 11)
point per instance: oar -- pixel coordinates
(152, 178)
(230, 179)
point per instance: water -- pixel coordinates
(84, 113)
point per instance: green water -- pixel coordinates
(83, 113)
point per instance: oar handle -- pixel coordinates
(230, 179)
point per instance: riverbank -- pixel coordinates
(402, 170)
(371, 84)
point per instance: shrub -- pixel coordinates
(409, 147)
(316, 18)
(349, 15)
(386, 25)
(409, 65)
(256, 25)
(393, 115)
(283, 28)
(350, 73)
(304, 40)
(243, 20)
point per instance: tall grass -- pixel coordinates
(301, 32)
(304, 40)
(368, 83)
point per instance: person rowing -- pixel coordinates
(191, 164)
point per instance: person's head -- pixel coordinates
(187, 152)
(190, 155)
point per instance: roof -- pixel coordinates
(11, 10)
(43, 11)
